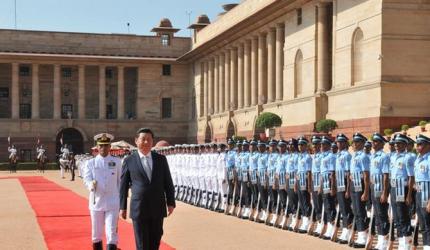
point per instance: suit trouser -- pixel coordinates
(263, 195)
(305, 203)
(246, 194)
(104, 220)
(317, 200)
(273, 195)
(293, 201)
(329, 207)
(402, 218)
(345, 209)
(380, 211)
(147, 233)
(254, 195)
(359, 210)
(282, 199)
(424, 220)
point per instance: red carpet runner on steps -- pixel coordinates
(63, 217)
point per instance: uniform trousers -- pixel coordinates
(305, 203)
(282, 198)
(317, 200)
(263, 195)
(424, 220)
(246, 194)
(254, 195)
(380, 211)
(359, 210)
(345, 209)
(273, 195)
(292, 201)
(402, 218)
(104, 220)
(329, 208)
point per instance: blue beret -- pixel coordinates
(368, 144)
(326, 140)
(378, 137)
(333, 145)
(422, 139)
(316, 139)
(400, 138)
(282, 143)
(273, 142)
(359, 137)
(341, 138)
(253, 142)
(302, 140)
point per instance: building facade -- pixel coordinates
(362, 63)
(70, 86)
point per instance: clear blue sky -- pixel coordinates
(104, 16)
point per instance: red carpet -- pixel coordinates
(64, 219)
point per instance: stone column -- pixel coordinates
(57, 92)
(240, 83)
(81, 91)
(233, 79)
(221, 83)
(247, 73)
(15, 91)
(262, 69)
(271, 65)
(227, 80)
(211, 86)
(102, 92)
(205, 88)
(254, 71)
(35, 92)
(121, 105)
(322, 48)
(279, 61)
(216, 84)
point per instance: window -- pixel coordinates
(26, 154)
(109, 111)
(299, 16)
(66, 111)
(166, 108)
(24, 71)
(167, 69)
(165, 40)
(25, 111)
(357, 57)
(109, 73)
(4, 93)
(67, 72)
(298, 74)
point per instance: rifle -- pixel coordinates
(275, 216)
(391, 233)
(323, 227)
(351, 237)
(296, 226)
(239, 205)
(312, 224)
(252, 208)
(232, 205)
(225, 202)
(336, 225)
(371, 230)
(266, 219)
(415, 235)
(284, 218)
(254, 214)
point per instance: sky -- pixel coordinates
(105, 16)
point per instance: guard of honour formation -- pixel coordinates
(356, 196)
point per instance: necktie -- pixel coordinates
(147, 168)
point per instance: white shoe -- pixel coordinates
(361, 238)
(305, 224)
(407, 243)
(344, 234)
(293, 222)
(382, 243)
(264, 215)
(426, 247)
(319, 228)
(273, 220)
(329, 230)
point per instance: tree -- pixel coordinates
(268, 120)
(326, 126)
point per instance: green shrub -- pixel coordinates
(388, 131)
(404, 127)
(326, 125)
(268, 120)
(238, 138)
(422, 123)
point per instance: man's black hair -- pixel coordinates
(144, 130)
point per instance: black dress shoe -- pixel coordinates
(359, 245)
(343, 242)
(111, 247)
(301, 231)
(98, 246)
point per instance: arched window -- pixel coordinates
(357, 57)
(298, 74)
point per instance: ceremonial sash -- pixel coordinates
(340, 180)
(291, 179)
(254, 176)
(245, 175)
(377, 181)
(282, 183)
(399, 186)
(316, 180)
(262, 175)
(302, 181)
(424, 188)
(326, 183)
(271, 177)
(239, 175)
(356, 181)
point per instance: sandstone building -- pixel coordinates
(363, 63)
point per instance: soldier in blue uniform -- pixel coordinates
(402, 182)
(253, 169)
(359, 187)
(422, 178)
(291, 180)
(411, 156)
(368, 148)
(343, 163)
(246, 192)
(328, 188)
(281, 173)
(262, 178)
(316, 182)
(334, 148)
(231, 172)
(304, 183)
(271, 171)
(379, 188)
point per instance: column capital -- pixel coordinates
(323, 3)
(280, 25)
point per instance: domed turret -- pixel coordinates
(201, 22)
(164, 27)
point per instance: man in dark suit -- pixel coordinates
(152, 188)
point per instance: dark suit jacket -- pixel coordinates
(149, 198)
